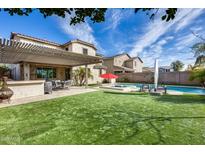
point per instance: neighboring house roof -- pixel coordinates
(117, 56)
(133, 58)
(165, 67)
(79, 41)
(98, 54)
(99, 66)
(151, 69)
(130, 58)
(148, 69)
(124, 68)
(33, 38)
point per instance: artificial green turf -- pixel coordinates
(106, 118)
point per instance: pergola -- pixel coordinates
(13, 52)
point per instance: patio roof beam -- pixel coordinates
(12, 51)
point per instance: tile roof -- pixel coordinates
(50, 42)
(34, 38)
(79, 41)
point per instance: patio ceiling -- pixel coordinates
(13, 52)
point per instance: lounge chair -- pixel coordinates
(145, 88)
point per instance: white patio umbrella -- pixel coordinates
(156, 73)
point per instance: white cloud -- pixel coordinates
(154, 30)
(82, 31)
(185, 41)
(154, 51)
(115, 16)
(180, 50)
(196, 29)
(191, 15)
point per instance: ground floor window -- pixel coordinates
(46, 73)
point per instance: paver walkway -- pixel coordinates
(55, 94)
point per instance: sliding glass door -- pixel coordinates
(46, 73)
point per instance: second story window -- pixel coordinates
(135, 64)
(85, 51)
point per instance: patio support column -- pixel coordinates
(86, 76)
(26, 71)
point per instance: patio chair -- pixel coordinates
(163, 89)
(56, 84)
(48, 87)
(67, 84)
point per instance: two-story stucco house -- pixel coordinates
(161, 69)
(123, 63)
(59, 62)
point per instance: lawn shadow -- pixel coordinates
(151, 123)
(181, 99)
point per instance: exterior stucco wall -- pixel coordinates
(144, 77)
(164, 78)
(24, 89)
(129, 64)
(119, 60)
(69, 47)
(139, 65)
(78, 48)
(60, 73)
(26, 71)
(177, 78)
(109, 63)
(15, 71)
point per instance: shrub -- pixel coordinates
(4, 71)
(105, 81)
(123, 79)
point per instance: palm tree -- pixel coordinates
(198, 74)
(79, 76)
(177, 65)
(200, 60)
(199, 51)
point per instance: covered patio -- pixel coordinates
(15, 52)
(33, 59)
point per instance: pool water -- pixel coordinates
(183, 89)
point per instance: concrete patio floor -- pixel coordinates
(55, 94)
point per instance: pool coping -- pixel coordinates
(173, 91)
(165, 85)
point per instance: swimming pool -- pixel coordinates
(175, 88)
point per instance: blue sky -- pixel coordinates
(123, 31)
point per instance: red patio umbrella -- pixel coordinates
(108, 76)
